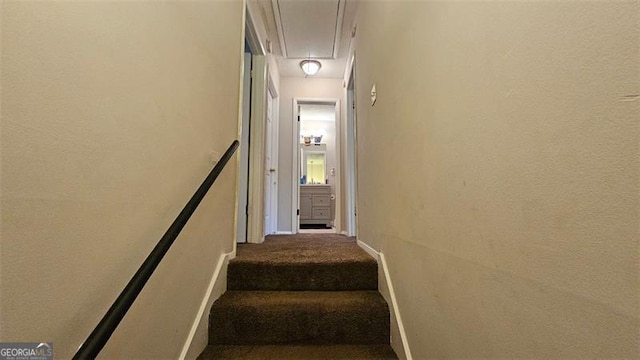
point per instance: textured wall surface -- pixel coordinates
(109, 113)
(502, 168)
(290, 88)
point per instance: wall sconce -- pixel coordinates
(310, 67)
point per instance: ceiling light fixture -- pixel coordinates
(310, 67)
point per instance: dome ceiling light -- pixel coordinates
(310, 67)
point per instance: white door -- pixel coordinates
(298, 156)
(270, 171)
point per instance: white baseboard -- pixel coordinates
(386, 289)
(369, 250)
(200, 327)
(344, 233)
(284, 233)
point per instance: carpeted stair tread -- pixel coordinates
(298, 352)
(304, 248)
(303, 317)
(303, 262)
(327, 276)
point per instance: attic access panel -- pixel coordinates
(309, 28)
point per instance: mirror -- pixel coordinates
(314, 165)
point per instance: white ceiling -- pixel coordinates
(320, 29)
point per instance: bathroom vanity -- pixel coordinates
(315, 205)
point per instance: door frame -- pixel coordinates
(243, 152)
(246, 108)
(351, 176)
(295, 198)
(255, 203)
(255, 185)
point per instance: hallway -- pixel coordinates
(487, 158)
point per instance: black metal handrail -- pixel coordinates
(101, 334)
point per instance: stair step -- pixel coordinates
(360, 274)
(298, 352)
(302, 317)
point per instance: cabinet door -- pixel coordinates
(305, 206)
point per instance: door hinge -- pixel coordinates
(298, 212)
(298, 118)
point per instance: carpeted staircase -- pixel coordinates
(306, 296)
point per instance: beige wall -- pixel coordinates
(501, 164)
(109, 113)
(290, 88)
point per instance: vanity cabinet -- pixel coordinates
(315, 205)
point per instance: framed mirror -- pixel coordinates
(314, 165)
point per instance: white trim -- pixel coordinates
(272, 207)
(351, 180)
(394, 305)
(284, 233)
(275, 147)
(205, 305)
(275, 156)
(242, 158)
(279, 29)
(252, 35)
(337, 177)
(368, 249)
(344, 233)
(259, 88)
(351, 58)
(390, 296)
(338, 30)
(295, 191)
(241, 109)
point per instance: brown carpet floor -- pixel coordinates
(305, 296)
(299, 352)
(321, 262)
(304, 248)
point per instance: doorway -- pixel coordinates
(317, 166)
